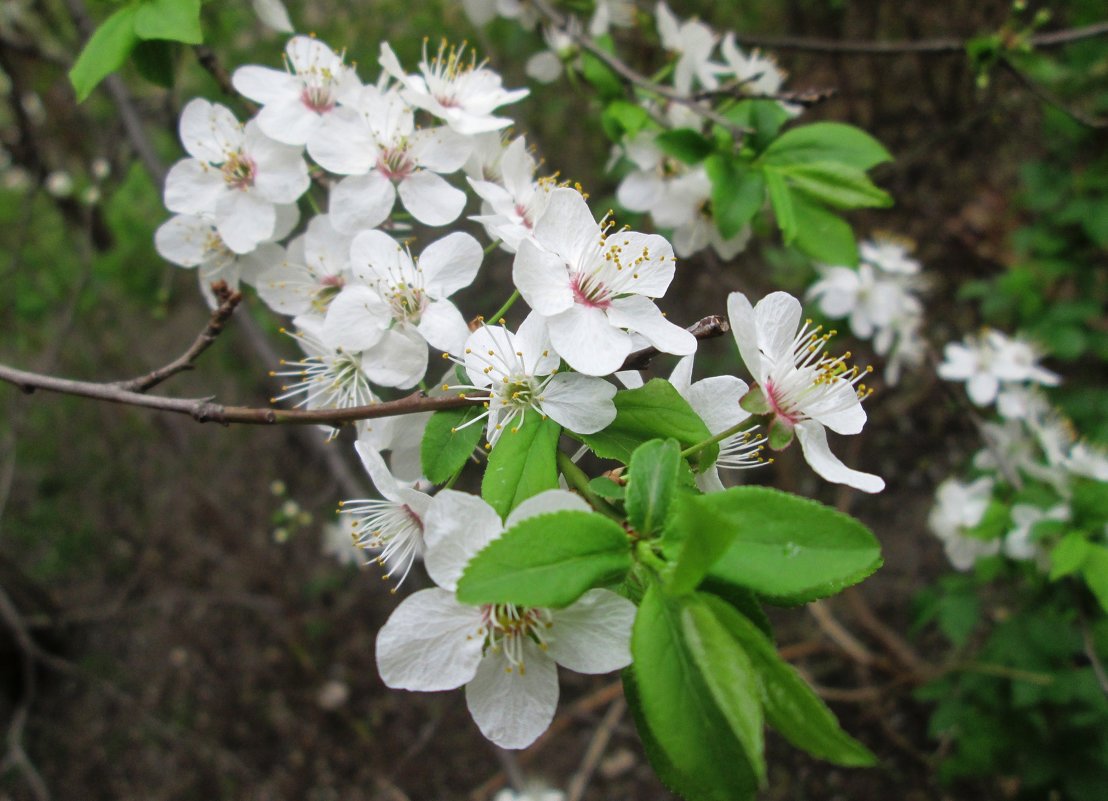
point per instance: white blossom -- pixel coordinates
(273, 14)
(803, 389)
(315, 270)
(516, 201)
(504, 655)
(594, 287)
(959, 507)
(1018, 543)
(694, 42)
(993, 362)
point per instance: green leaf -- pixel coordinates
(781, 200)
(523, 463)
(689, 741)
(822, 235)
(548, 560)
(104, 53)
(607, 488)
(1090, 502)
(704, 534)
(684, 144)
(730, 678)
(653, 411)
(827, 141)
(790, 705)
(446, 446)
(788, 549)
(1095, 572)
(172, 20)
(763, 117)
(738, 193)
(837, 185)
(154, 62)
(607, 84)
(622, 118)
(651, 483)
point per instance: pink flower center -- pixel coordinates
(782, 409)
(395, 164)
(239, 171)
(589, 291)
(317, 99)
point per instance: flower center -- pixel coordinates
(407, 302)
(317, 98)
(238, 170)
(395, 163)
(507, 627)
(589, 290)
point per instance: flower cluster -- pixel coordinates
(371, 285)
(880, 300)
(997, 368)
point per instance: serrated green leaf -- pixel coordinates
(684, 144)
(704, 536)
(172, 20)
(738, 193)
(522, 463)
(782, 202)
(823, 235)
(549, 560)
(651, 484)
(446, 445)
(789, 549)
(691, 744)
(730, 678)
(790, 705)
(653, 411)
(827, 141)
(837, 185)
(104, 53)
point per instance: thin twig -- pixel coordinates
(830, 626)
(631, 76)
(1051, 99)
(212, 65)
(228, 301)
(938, 45)
(1090, 651)
(708, 328)
(595, 751)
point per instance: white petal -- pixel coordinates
(183, 239)
(343, 143)
(361, 201)
(567, 227)
(399, 359)
(440, 149)
(593, 635)
(265, 85)
(430, 199)
(443, 326)
(288, 120)
(378, 471)
(838, 408)
(587, 341)
(430, 642)
(282, 173)
(542, 279)
(741, 316)
(982, 388)
(655, 272)
(209, 131)
(716, 400)
(639, 314)
(244, 219)
(632, 379)
(533, 341)
(581, 403)
(554, 500)
(356, 319)
(273, 14)
(456, 527)
(813, 442)
(450, 264)
(513, 708)
(681, 377)
(192, 187)
(376, 256)
(777, 317)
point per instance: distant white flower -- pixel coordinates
(609, 13)
(594, 288)
(297, 104)
(990, 362)
(59, 183)
(694, 42)
(702, 232)
(273, 14)
(454, 87)
(547, 65)
(534, 792)
(237, 175)
(670, 190)
(505, 655)
(755, 73)
(190, 240)
(889, 254)
(375, 141)
(519, 373)
(397, 306)
(1018, 543)
(874, 304)
(802, 388)
(959, 507)
(338, 544)
(1088, 461)
(393, 526)
(515, 202)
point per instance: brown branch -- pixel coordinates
(595, 751)
(709, 328)
(204, 410)
(1043, 94)
(631, 76)
(937, 46)
(228, 301)
(214, 67)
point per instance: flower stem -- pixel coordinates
(495, 318)
(493, 245)
(729, 432)
(580, 482)
(644, 550)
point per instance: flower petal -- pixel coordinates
(639, 314)
(243, 220)
(567, 227)
(209, 131)
(555, 500)
(430, 642)
(777, 318)
(542, 279)
(430, 199)
(585, 338)
(450, 263)
(361, 201)
(443, 326)
(512, 707)
(399, 359)
(741, 316)
(456, 527)
(593, 635)
(716, 400)
(356, 319)
(193, 187)
(813, 442)
(581, 403)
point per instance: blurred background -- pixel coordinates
(197, 633)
